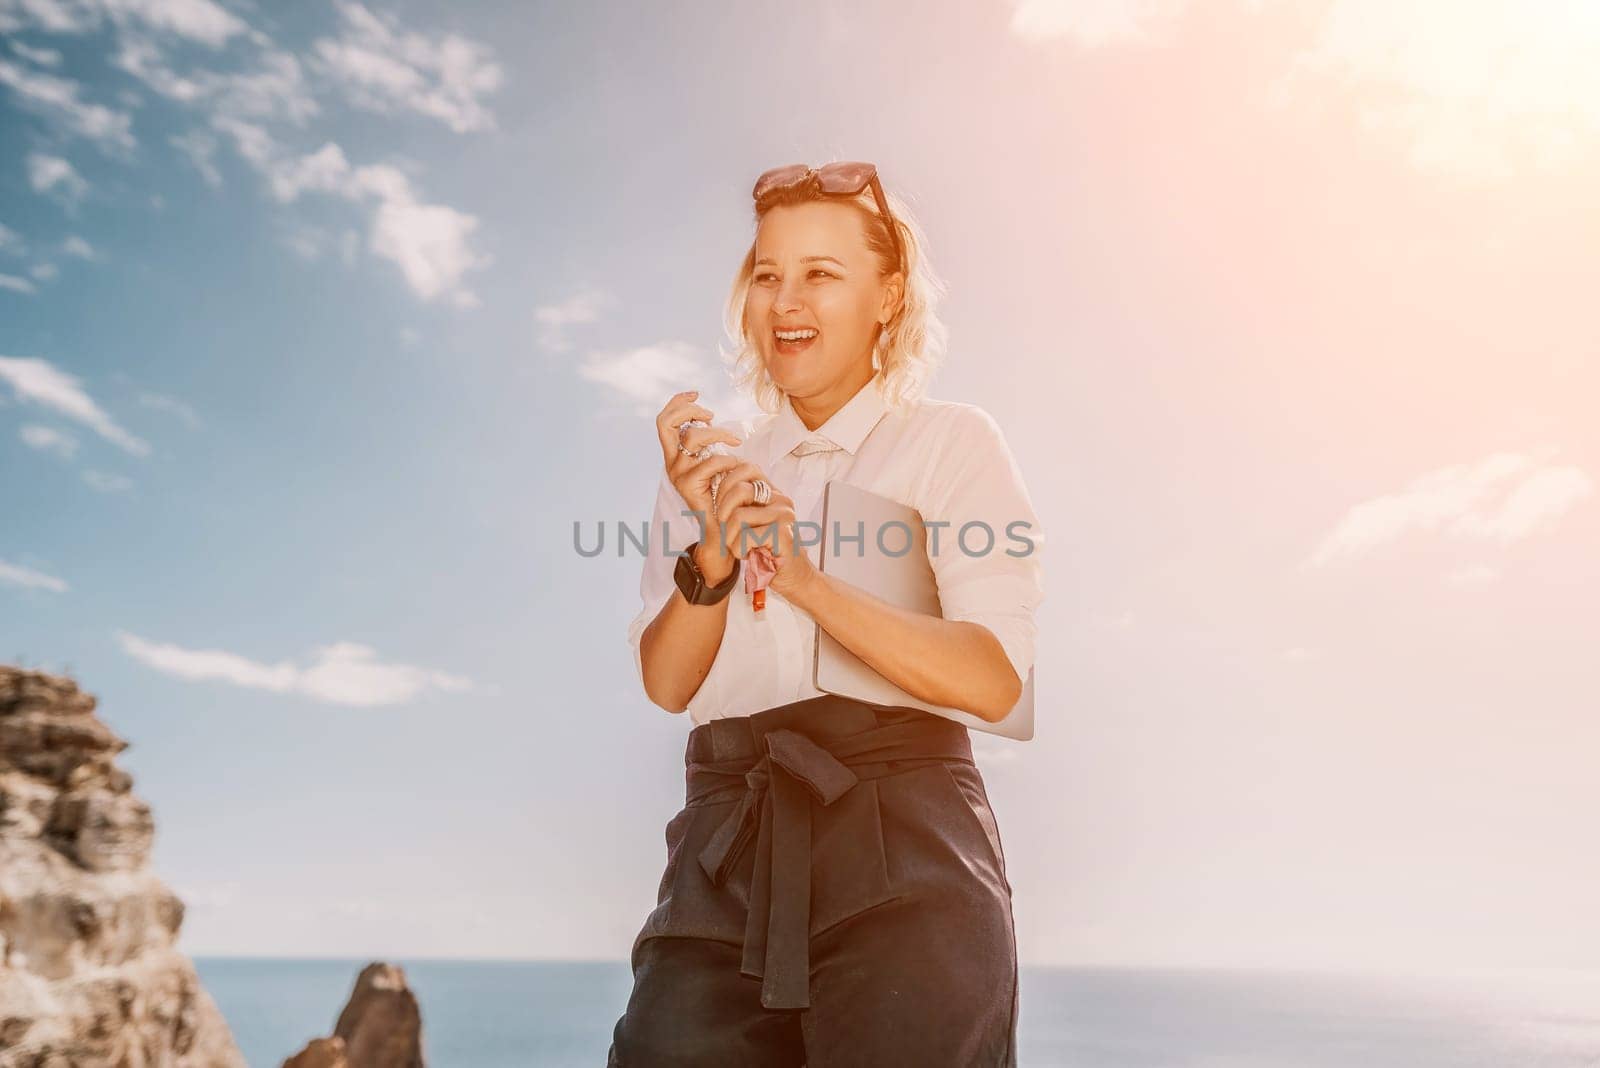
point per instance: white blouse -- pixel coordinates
(947, 459)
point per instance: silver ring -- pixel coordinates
(704, 450)
(763, 491)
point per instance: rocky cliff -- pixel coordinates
(90, 974)
(380, 1027)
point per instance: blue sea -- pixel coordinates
(490, 1014)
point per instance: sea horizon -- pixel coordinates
(476, 1012)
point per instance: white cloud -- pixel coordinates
(54, 175)
(196, 20)
(1475, 90)
(430, 243)
(17, 284)
(307, 242)
(275, 89)
(1094, 23)
(77, 246)
(651, 372)
(44, 57)
(44, 272)
(386, 69)
(202, 21)
(38, 381)
(28, 578)
(51, 16)
(11, 241)
(1502, 498)
(48, 439)
(344, 673)
(57, 99)
(163, 403)
(645, 377)
(553, 319)
(107, 483)
(199, 147)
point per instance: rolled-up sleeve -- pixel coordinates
(987, 559)
(656, 583)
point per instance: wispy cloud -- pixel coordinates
(430, 243)
(48, 439)
(344, 673)
(77, 246)
(58, 100)
(202, 21)
(554, 319)
(52, 175)
(162, 403)
(1093, 23)
(645, 377)
(11, 242)
(199, 148)
(105, 482)
(43, 57)
(373, 61)
(274, 88)
(17, 284)
(1502, 498)
(1477, 90)
(28, 578)
(386, 69)
(38, 381)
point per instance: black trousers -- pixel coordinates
(835, 894)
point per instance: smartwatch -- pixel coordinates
(692, 582)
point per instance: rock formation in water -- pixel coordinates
(380, 1027)
(90, 973)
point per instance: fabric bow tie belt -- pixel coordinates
(776, 808)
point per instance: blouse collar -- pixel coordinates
(847, 428)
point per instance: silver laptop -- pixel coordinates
(906, 581)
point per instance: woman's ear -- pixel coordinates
(893, 290)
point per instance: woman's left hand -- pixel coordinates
(748, 526)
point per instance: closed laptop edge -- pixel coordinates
(905, 581)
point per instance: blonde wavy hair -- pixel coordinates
(909, 348)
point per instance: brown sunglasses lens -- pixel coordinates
(844, 178)
(779, 177)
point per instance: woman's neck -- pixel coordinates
(814, 411)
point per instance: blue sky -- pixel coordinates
(321, 324)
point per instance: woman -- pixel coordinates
(835, 890)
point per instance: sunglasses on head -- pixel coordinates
(845, 179)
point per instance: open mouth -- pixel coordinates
(790, 342)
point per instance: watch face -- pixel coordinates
(690, 581)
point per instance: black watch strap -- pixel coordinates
(692, 581)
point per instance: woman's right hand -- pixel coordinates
(692, 477)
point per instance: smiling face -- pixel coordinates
(815, 273)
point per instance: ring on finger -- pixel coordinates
(699, 454)
(763, 491)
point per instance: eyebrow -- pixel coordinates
(804, 259)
